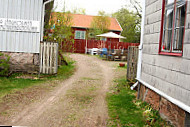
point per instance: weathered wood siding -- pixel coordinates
(28, 42)
(169, 74)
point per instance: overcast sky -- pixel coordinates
(92, 6)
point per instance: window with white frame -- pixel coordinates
(80, 34)
(103, 39)
(173, 27)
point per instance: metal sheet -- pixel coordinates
(20, 41)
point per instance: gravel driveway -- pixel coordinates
(78, 101)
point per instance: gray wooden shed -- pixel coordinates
(21, 31)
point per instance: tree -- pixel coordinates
(61, 23)
(100, 24)
(136, 5)
(79, 11)
(130, 22)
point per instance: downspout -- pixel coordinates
(140, 47)
(43, 15)
(42, 27)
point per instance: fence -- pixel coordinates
(132, 62)
(79, 45)
(48, 57)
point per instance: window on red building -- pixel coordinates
(173, 27)
(80, 34)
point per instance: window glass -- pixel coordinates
(173, 26)
(169, 19)
(180, 16)
(77, 34)
(179, 28)
(103, 39)
(167, 38)
(80, 34)
(169, 2)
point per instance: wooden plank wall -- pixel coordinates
(48, 57)
(79, 45)
(132, 62)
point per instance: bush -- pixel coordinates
(4, 64)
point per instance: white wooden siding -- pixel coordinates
(27, 42)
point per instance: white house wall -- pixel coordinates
(169, 74)
(12, 41)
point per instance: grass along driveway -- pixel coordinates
(125, 110)
(19, 81)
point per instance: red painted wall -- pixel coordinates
(108, 39)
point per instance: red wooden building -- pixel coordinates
(81, 25)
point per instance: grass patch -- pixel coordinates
(83, 94)
(12, 84)
(125, 110)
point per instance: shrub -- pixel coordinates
(4, 64)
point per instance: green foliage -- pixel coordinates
(61, 23)
(125, 110)
(122, 110)
(4, 64)
(79, 11)
(100, 24)
(130, 22)
(14, 83)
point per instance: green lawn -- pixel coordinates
(125, 110)
(11, 84)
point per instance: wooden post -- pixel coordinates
(132, 62)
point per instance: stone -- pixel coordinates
(23, 62)
(172, 113)
(142, 92)
(168, 111)
(153, 99)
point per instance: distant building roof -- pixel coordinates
(84, 21)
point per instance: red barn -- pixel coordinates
(81, 23)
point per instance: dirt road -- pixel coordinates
(78, 101)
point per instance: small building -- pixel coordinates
(164, 59)
(21, 29)
(82, 23)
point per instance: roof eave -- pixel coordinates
(119, 25)
(90, 28)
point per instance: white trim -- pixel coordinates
(171, 99)
(43, 14)
(119, 25)
(142, 41)
(133, 86)
(139, 65)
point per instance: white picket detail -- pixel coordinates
(48, 57)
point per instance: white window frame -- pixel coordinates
(82, 34)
